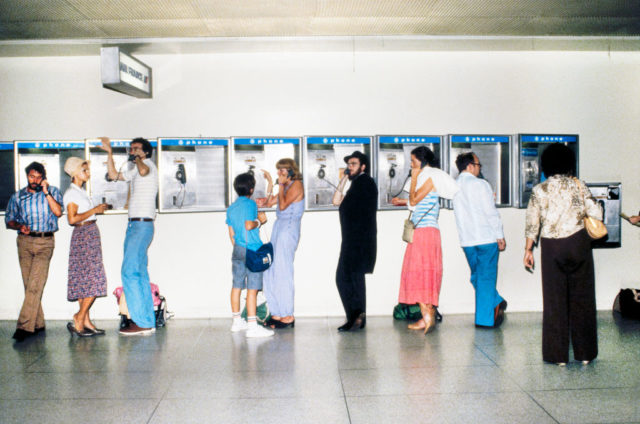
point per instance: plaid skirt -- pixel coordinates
(86, 270)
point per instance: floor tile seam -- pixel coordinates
(344, 397)
(428, 393)
(163, 396)
(528, 394)
(440, 367)
(581, 389)
(255, 397)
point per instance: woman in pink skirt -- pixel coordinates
(87, 278)
(421, 276)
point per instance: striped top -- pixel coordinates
(142, 202)
(431, 218)
(32, 210)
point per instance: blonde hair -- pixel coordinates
(288, 163)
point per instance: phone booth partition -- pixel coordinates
(323, 164)
(193, 174)
(530, 148)
(52, 155)
(102, 189)
(393, 153)
(256, 155)
(494, 154)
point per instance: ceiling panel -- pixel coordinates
(37, 11)
(122, 19)
(143, 28)
(135, 9)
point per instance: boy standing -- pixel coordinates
(244, 220)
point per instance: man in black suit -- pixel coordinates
(359, 229)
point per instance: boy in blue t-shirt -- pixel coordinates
(244, 220)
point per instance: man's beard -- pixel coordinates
(33, 186)
(355, 174)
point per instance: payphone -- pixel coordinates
(7, 173)
(193, 174)
(609, 196)
(393, 153)
(494, 153)
(530, 148)
(253, 154)
(51, 154)
(102, 189)
(323, 159)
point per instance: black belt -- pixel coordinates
(37, 234)
(141, 219)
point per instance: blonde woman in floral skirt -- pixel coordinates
(87, 279)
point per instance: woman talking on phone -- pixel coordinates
(421, 276)
(278, 279)
(87, 279)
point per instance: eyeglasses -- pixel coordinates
(476, 164)
(353, 163)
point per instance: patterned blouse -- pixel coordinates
(557, 207)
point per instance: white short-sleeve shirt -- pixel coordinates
(142, 203)
(79, 196)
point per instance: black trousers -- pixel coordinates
(352, 289)
(569, 299)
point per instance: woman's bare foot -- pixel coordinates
(287, 320)
(77, 323)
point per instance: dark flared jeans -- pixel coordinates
(569, 300)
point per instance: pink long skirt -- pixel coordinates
(421, 276)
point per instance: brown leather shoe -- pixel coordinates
(133, 330)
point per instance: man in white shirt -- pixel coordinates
(143, 176)
(481, 237)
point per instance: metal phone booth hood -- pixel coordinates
(530, 148)
(51, 154)
(495, 155)
(101, 188)
(393, 159)
(609, 196)
(323, 158)
(255, 154)
(193, 174)
(8, 172)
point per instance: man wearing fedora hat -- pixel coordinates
(359, 229)
(34, 211)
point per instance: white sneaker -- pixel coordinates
(259, 331)
(239, 325)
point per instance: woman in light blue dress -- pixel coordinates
(278, 284)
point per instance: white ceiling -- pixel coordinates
(76, 22)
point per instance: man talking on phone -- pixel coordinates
(143, 177)
(359, 238)
(33, 211)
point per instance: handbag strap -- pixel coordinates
(424, 214)
(584, 204)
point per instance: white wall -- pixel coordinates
(593, 94)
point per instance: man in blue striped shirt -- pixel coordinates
(33, 212)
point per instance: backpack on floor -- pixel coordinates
(627, 302)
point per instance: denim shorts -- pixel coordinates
(242, 277)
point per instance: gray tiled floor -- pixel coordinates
(197, 371)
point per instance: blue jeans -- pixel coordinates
(483, 261)
(135, 277)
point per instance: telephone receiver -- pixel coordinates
(392, 171)
(321, 173)
(346, 172)
(39, 187)
(131, 158)
(250, 171)
(290, 173)
(181, 174)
